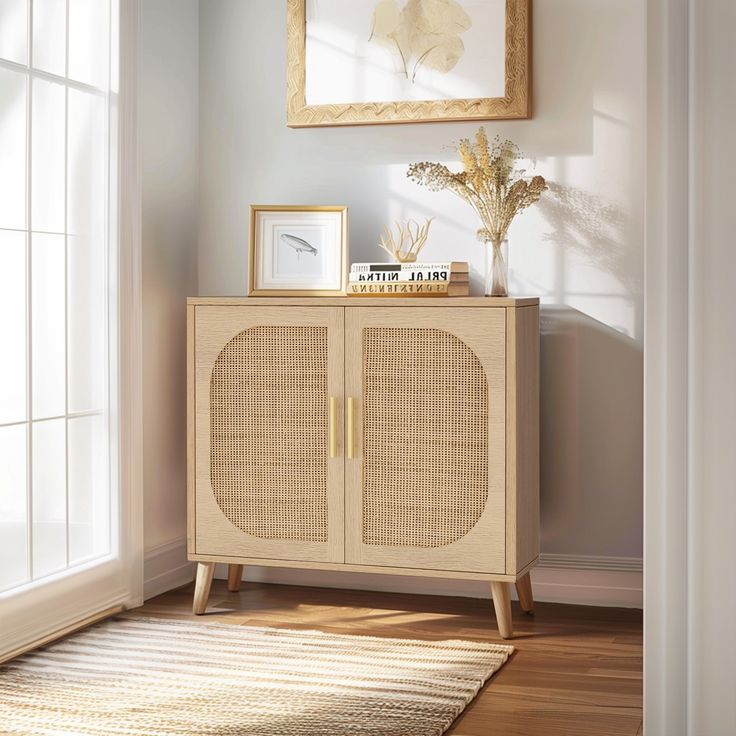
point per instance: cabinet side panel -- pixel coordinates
(191, 432)
(523, 438)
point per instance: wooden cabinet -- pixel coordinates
(377, 435)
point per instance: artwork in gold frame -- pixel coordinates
(401, 61)
(298, 250)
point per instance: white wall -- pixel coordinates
(581, 249)
(169, 124)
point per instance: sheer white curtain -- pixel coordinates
(62, 502)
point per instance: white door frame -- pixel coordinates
(665, 370)
(84, 593)
(131, 302)
(690, 371)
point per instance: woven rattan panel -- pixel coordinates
(425, 437)
(268, 401)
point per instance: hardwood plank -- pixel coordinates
(576, 669)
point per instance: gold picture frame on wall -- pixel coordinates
(298, 250)
(368, 62)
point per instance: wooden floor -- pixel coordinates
(577, 670)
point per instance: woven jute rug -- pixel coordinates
(151, 677)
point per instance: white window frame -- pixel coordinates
(40, 611)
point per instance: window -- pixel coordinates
(58, 256)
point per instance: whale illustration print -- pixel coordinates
(298, 244)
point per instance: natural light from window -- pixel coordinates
(57, 261)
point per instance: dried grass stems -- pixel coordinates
(409, 240)
(489, 183)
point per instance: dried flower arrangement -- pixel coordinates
(492, 186)
(409, 240)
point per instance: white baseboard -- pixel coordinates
(591, 562)
(590, 580)
(586, 587)
(166, 567)
(579, 579)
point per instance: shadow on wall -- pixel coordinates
(591, 436)
(595, 228)
(591, 385)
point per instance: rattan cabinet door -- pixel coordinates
(426, 486)
(266, 486)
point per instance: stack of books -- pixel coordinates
(409, 279)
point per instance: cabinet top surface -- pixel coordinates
(344, 301)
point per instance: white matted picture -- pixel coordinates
(298, 250)
(388, 61)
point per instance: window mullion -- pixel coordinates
(29, 299)
(108, 234)
(66, 39)
(66, 282)
(51, 77)
(66, 292)
(70, 415)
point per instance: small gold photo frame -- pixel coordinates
(363, 62)
(298, 250)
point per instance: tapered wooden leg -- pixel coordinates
(502, 606)
(524, 589)
(205, 570)
(234, 575)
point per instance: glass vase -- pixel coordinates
(497, 269)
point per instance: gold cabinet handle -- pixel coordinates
(332, 430)
(351, 428)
